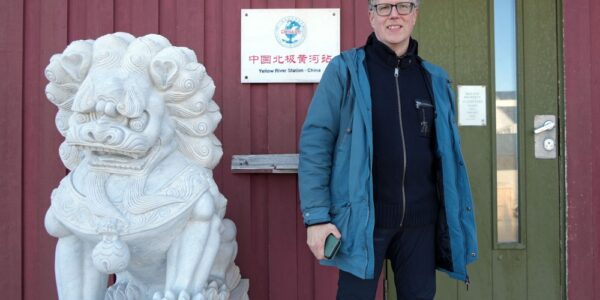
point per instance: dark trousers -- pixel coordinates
(412, 253)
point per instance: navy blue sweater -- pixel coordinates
(404, 180)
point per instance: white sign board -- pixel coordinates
(471, 105)
(288, 45)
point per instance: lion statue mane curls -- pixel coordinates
(140, 202)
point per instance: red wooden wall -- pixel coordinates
(11, 89)
(582, 85)
(258, 119)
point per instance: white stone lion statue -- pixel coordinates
(140, 202)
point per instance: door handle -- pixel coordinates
(545, 136)
(548, 125)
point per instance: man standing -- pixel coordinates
(381, 166)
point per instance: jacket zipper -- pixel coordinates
(396, 72)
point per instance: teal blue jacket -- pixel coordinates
(335, 178)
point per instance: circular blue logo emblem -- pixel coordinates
(290, 32)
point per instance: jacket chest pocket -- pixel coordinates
(425, 116)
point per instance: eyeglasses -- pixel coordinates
(385, 9)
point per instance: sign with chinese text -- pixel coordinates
(288, 45)
(471, 105)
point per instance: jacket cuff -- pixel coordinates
(313, 224)
(316, 216)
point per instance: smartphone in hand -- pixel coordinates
(332, 245)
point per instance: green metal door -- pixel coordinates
(518, 197)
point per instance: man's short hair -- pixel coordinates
(416, 2)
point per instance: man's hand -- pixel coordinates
(316, 235)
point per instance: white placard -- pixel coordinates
(471, 105)
(288, 45)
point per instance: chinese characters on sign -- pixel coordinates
(300, 59)
(288, 45)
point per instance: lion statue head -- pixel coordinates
(125, 103)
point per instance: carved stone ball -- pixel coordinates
(111, 255)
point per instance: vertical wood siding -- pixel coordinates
(582, 86)
(45, 34)
(257, 119)
(11, 131)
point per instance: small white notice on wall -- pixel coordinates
(471, 105)
(288, 45)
